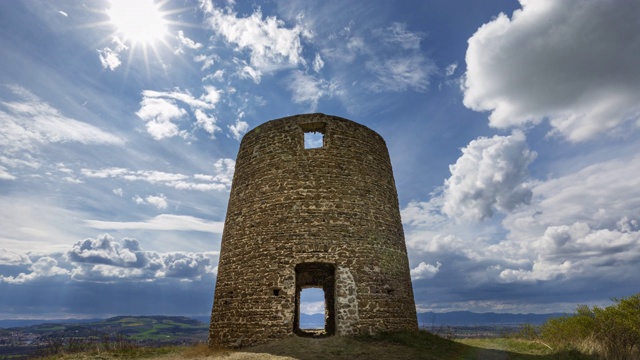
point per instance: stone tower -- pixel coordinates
(324, 217)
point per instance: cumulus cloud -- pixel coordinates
(571, 250)
(44, 267)
(162, 111)
(105, 259)
(104, 250)
(579, 230)
(11, 258)
(271, 44)
(219, 181)
(582, 223)
(490, 175)
(30, 122)
(425, 271)
(160, 115)
(572, 62)
(159, 201)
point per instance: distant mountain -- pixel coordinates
(21, 322)
(455, 318)
(314, 321)
(467, 318)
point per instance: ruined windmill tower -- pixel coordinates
(323, 217)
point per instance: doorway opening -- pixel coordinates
(314, 277)
(312, 309)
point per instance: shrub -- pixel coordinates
(612, 332)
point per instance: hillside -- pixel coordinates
(120, 331)
(400, 346)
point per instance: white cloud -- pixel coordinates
(13, 258)
(599, 194)
(207, 61)
(105, 259)
(159, 201)
(450, 69)
(45, 267)
(247, 72)
(206, 122)
(220, 181)
(30, 122)
(104, 250)
(162, 113)
(312, 307)
(238, 129)
(63, 13)
(5, 175)
(118, 191)
(72, 180)
(490, 175)
(308, 89)
(110, 57)
(425, 271)
(318, 63)
(401, 73)
(164, 222)
(218, 75)
(582, 224)
(186, 42)
(398, 35)
(224, 169)
(572, 250)
(204, 102)
(211, 96)
(570, 61)
(578, 227)
(271, 44)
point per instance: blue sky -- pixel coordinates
(512, 129)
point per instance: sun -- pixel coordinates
(138, 21)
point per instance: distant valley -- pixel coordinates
(23, 338)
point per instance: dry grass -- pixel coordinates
(396, 346)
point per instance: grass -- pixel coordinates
(386, 346)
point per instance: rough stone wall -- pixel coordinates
(289, 205)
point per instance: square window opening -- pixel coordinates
(314, 135)
(313, 140)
